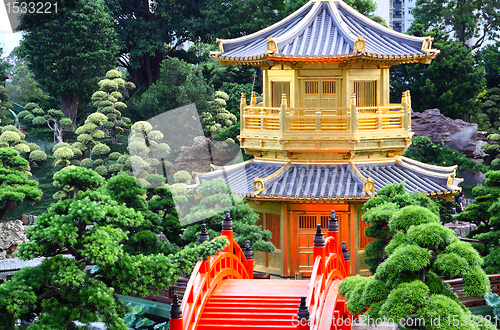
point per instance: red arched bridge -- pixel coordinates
(222, 294)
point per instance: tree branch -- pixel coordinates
(55, 292)
(147, 13)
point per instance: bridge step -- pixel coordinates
(255, 304)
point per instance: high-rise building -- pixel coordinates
(397, 13)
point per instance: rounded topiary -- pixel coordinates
(98, 162)
(404, 299)
(64, 153)
(10, 136)
(411, 215)
(100, 149)
(59, 195)
(114, 168)
(39, 121)
(22, 147)
(101, 170)
(87, 162)
(114, 155)
(65, 121)
(429, 234)
(182, 177)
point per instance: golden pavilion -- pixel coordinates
(326, 136)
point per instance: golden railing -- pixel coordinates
(341, 120)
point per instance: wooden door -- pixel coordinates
(279, 88)
(306, 231)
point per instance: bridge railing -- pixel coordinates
(232, 262)
(326, 307)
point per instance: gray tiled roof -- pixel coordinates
(322, 28)
(335, 181)
(241, 178)
(315, 180)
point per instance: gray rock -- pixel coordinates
(200, 156)
(455, 133)
(11, 235)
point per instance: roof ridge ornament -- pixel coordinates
(369, 186)
(359, 45)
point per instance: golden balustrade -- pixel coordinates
(283, 121)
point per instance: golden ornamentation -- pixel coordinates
(271, 45)
(359, 44)
(258, 185)
(369, 186)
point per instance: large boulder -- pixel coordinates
(11, 235)
(201, 155)
(455, 133)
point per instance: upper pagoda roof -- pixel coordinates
(325, 29)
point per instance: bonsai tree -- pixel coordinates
(147, 152)
(96, 231)
(479, 212)
(15, 185)
(210, 210)
(108, 102)
(54, 119)
(10, 136)
(492, 149)
(378, 211)
(5, 105)
(409, 283)
(217, 118)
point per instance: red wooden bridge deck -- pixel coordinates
(221, 292)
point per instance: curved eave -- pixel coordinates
(265, 58)
(296, 198)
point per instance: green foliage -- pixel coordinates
(450, 83)
(210, 210)
(217, 118)
(95, 230)
(411, 215)
(84, 36)
(5, 105)
(379, 211)
(147, 151)
(489, 57)
(54, 119)
(234, 91)
(421, 254)
(15, 185)
(75, 179)
(108, 101)
(182, 177)
(137, 320)
(467, 19)
(424, 150)
(178, 84)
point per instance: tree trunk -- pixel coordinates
(69, 107)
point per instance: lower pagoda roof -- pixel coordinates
(268, 180)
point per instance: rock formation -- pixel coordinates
(11, 235)
(199, 157)
(455, 133)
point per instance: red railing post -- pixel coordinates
(345, 253)
(319, 248)
(227, 230)
(204, 238)
(333, 227)
(303, 315)
(175, 314)
(249, 259)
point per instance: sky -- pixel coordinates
(8, 39)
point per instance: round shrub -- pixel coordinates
(60, 145)
(98, 162)
(142, 126)
(111, 74)
(86, 162)
(38, 121)
(155, 180)
(122, 159)
(450, 264)
(155, 135)
(21, 147)
(137, 162)
(405, 298)
(116, 95)
(182, 177)
(120, 105)
(10, 136)
(65, 122)
(96, 118)
(97, 134)
(101, 170)
(349, 284)
(465, 251)
(476, 282)
(64, 153)
(33, 146)
(59, 195)
(440, 307)
(411, 215)
(429, 234)
(114, 155)
(375, 290)
(84, 138)
(411, 258)
(100, 149)
(114, 168)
